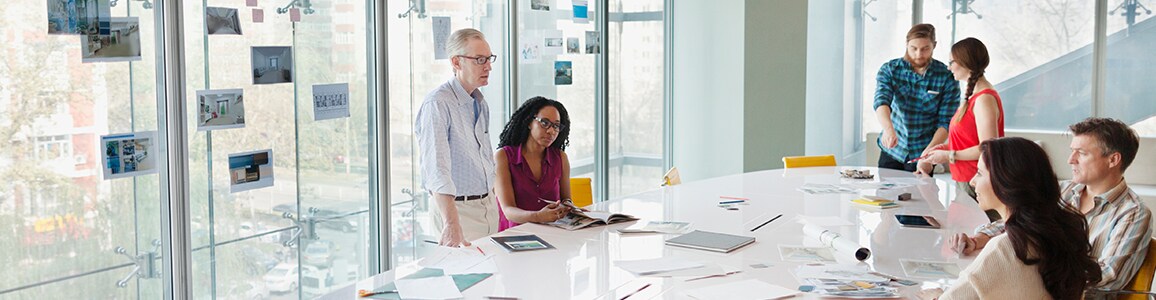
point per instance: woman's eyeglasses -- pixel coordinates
(481, 60)
(547, 124)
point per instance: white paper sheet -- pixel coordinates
(657, 265)
(742, 290)
(837, 272)
(441, 287)
(459, 261)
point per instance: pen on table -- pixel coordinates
(767, 222)
(480, 250)
(733, 198)
(635, 292)
(732, 201)
(431, 242)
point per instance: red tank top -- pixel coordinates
(964, 134)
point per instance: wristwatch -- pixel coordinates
(951, 157)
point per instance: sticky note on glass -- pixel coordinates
(294, 15)
(258, 15)
(250, 2)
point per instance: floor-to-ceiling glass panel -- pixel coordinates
(278, 147)
(78, 114)
(1041, 54)
(1128, 91)
(636, 96)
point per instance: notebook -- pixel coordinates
(711, 241)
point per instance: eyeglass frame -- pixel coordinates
(544, 122)
(481, 60)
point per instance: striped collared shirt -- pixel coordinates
(920, 104)
(456, 156)
(1118, 228)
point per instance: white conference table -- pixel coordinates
(582, 266)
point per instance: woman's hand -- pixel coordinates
(935, 157)
(930, 294)
(924, 168)
(943, 146)
(551, 212)
(965, 245)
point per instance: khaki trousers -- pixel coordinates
(478, 217)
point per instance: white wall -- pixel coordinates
(708, 87)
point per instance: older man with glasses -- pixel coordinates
(457, 161)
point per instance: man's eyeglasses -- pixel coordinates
(547, 124)
(481, 60)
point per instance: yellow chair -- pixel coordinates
(1143, 280)
(581, 192)
(671, 177)
(808, 161)
(1141, 285)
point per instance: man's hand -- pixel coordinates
(452, 236)
(888, 139)
(924, 168)
(929, 294)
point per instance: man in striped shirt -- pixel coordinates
(915, 98)
(1118, 222)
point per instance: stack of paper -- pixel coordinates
(876, 202)
(846, 281)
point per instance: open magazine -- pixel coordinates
(578, 219)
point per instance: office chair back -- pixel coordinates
(581, 192)
(808, 161)
(1142, 282)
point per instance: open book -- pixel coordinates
(578, 219)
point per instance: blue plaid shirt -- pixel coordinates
(920, 104)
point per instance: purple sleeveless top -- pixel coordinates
(527, 191)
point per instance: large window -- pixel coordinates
(281, 190)
(1042, 56)
(636, 96)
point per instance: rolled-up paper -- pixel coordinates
(832, 239)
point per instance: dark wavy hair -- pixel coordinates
(1042, 230)
(971, 54)
(518, 128)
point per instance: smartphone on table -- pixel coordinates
(917, 221)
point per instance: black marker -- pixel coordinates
(767, 222)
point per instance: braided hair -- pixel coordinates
(517, 130)
(971, 54)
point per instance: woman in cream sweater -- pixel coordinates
(1040, 256)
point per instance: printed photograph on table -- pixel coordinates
(930, 269)
(572, 45)
(592, 44)
(250, 170)
(220, 109)
(129, 154)
(121, 43)
(222, 20)
(540, 5)
(563, 73)
(272, 65)
(518, 243)
(330, 101)
(78, 16)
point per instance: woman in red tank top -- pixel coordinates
(979, 117)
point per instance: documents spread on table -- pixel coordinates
(749, 289)
(645, 267)
(845, 281)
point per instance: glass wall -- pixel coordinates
(636, 96)
(1042, 56)
(278, 171)
(77, 209)
(280, 120)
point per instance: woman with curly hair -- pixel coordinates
(533, 182)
